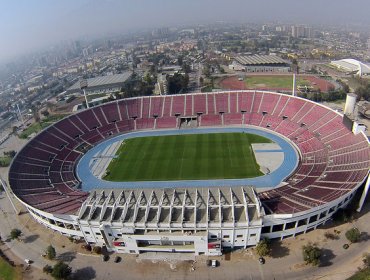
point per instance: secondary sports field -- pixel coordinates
(273, 82)
(278, 81)
(186, 157)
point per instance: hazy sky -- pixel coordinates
(30, 24)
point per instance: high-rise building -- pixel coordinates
(308, 32)
(301, 31)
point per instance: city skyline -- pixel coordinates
(27, 26)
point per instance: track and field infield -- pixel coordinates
(273, 81)
(186, 157)
(283, 82)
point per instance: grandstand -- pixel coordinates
(259, 63)
(334, 163)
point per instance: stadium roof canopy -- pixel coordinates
(260, 60)
(102, 81)
(352, 66)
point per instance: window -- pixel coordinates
(313, 219)
(302, 222)
(322, 215)
(87, 232)
(239, 236)
(253, 235)
(226, 236)
(276, 228)
(290, 225)
(97, 233)
(266, 229)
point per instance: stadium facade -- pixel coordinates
(334, 163)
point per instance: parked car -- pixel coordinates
(105, 258)
(213, 263)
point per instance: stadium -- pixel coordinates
(175, 173)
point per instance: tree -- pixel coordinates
(97, 249)
(207, 70)
(177, 83)
(35, 113)
(186, 68)
(14, 129)
(61, 271)
(180, 60)
(10, 154)
(353, 235)
(47, 269)
(366, 260)
(148, 79)
(15, 233)
(50, 252)
(311, 254)
(45, 113)
(263, 247)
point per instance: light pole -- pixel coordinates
(2, 182)
(294, 86)
(20, 115)
(83, 86)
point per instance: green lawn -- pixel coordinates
(7, 272)
(186, 157)
(283, 81)
(5, 161)
(363, 274)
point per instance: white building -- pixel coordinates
(200, 221)
(352, 66)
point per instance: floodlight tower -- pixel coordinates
(83, 86)
(293, 90)
(20, 115)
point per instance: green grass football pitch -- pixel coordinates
(277, 81)
(186, 157)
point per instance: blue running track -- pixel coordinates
(90, 182)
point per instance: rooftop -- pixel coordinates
(103, 81)
(172, 207)
(352, 65)
(260, 59)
